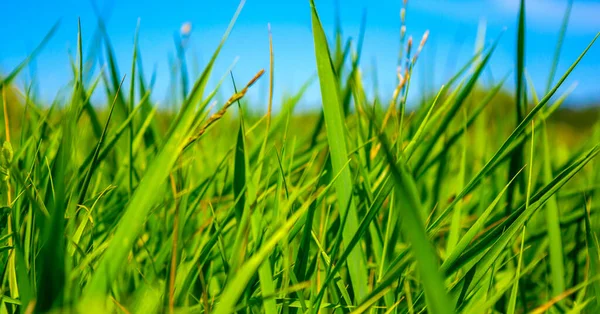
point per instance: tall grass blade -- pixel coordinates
(339, 153)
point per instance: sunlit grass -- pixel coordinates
(448, 205)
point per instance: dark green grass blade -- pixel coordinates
(516, 158)
(131, 105)
(239, 173)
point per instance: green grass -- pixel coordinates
(447, 205)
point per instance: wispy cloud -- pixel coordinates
(541, 14)
(585, 15)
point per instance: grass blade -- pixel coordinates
(339, 153)
(414, 229)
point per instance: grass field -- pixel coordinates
(476, 201)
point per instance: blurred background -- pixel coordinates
(453, 27)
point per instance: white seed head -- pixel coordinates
(400, 76)
(186, 29)
(424, 40)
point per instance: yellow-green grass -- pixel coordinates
(475, 199)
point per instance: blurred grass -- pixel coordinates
(125, 206)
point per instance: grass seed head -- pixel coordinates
(421, 45)
(186, 29)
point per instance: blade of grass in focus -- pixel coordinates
(338, 152)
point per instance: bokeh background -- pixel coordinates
(453, 26)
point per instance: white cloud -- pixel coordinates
(585, 15)
(541, 14)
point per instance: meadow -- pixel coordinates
(475, 200)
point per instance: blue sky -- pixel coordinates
(453, 26)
